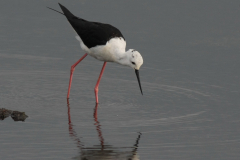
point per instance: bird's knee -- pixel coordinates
(96, 89)
(72, 68)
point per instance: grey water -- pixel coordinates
(190, 79)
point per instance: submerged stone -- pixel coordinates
(4, 113)
(18, 116)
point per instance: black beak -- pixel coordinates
(137, 74)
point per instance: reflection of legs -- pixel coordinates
(71, 72)
(71, 131)
(98, 126)
(95, 112)
(100, 76)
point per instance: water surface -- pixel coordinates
(190, 80)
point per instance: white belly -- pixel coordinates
(109, 52)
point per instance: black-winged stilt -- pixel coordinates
(103, 42)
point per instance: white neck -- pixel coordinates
(123, 59)
(131, 58)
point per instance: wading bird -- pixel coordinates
(103, 42)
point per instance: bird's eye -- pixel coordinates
(133, 63)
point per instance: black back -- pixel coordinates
(91, 33)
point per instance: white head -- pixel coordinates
(135, 59)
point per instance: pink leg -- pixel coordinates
(71, 73)
(100, 76)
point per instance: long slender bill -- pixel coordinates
(137, 74)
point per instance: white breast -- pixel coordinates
(109, 52)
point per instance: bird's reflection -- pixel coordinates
(101, 151)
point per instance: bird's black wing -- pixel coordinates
(91, 33)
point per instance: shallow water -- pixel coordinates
(190, 80)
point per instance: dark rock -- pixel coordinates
(4, 113)
(18, 116)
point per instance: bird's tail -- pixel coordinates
(66, 12)
(55, 10)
